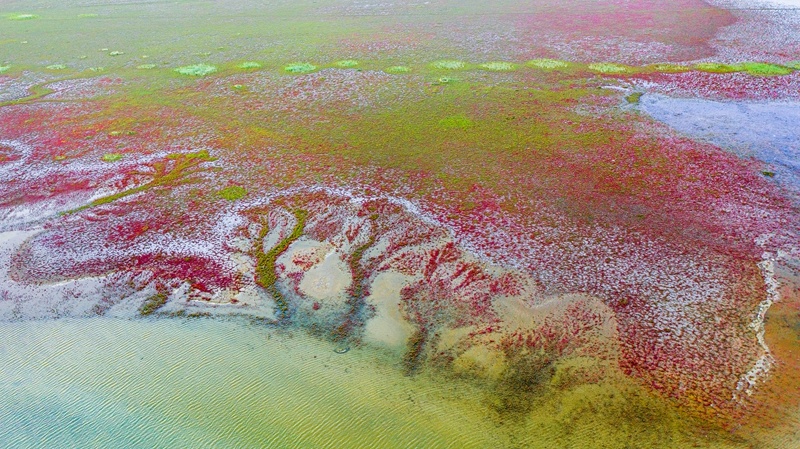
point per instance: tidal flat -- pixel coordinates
(341, 223)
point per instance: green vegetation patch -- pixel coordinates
(714, 67)
(456, 122)
(449, 64)
(112, 157)
(88, 16)
(346, 63)
(397, 69)
(249, 65)
(265, 260)
(153, 303)
(232, 193)
(146, 66)
(634, 97)
(4, 68)
(23, 17)
(607, 67)
(763, 69)
(300, 67)
(793, 65)
(116, 53)
(548, 64)
(186, 164)
(499, 66)
(669, 68)
(56, 67)
(196, 70)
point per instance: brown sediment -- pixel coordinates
(153, 303)
(773, 412)
(355, 301)
(415, 351)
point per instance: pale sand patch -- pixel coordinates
(281, 225)
(327, 281)
(388, 327)
(303, 248)
(519, 314)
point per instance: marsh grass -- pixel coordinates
(196, 70)
(23, 17)
(448, 64)
(609, 68)
(346, 63)
(548, 64)
(300, 67)
(715, 67)
(249, 65)
(669, 68)
(634, 97)
(232, 193)
(265, 260)
(763, 69)
(499, 66)
(398, 69)
(112, 157)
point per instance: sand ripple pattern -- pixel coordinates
(209, 384)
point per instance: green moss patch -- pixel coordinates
(634, 97)
(116, 53)
(398, 69)
(300, 67)
(196, 70)
(146, 66)
(346, 63)
(88, 16)
(548, 64)
(265, 260)
(499, 66)
(763, 69)
(715, 67)
(669, 68)
(23, 17)
(4, 68)
(112, 157)
(232, 193)
(56, 67)
(456, 122)
(610, 68)
(449, 64)
(249, 65)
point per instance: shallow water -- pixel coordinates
(207, 383)
(767, 131)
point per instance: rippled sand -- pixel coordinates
(103, 382)
(203, 383)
